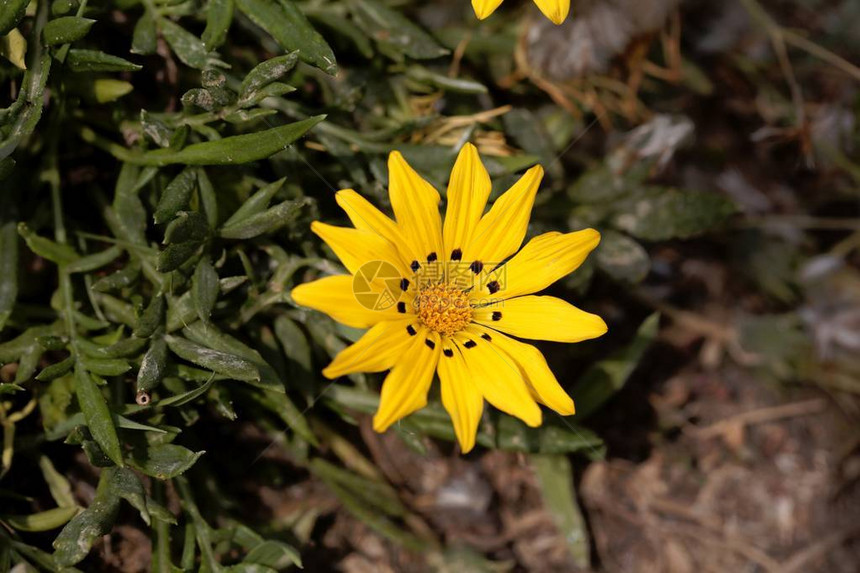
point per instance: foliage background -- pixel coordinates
(160, 395)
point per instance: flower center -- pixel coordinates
(444, 308)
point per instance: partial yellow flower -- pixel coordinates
(449, 298)
(555, 10)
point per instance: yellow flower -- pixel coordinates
(436, 298)
(555, 10)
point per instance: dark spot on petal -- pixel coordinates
(456, 255)
(470, 344)
(401, 307)
(404, 284)
(486, 337)
(497, 315)
(477, 267)
(432, 257)
(414, 266)
(430, 344)
(448, 352)
(411, 330)
(493, 287)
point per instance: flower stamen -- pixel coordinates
(444, 308)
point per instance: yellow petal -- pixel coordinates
(498, 378)
(366, 217)
(334, 296)
(535, 370)
(484, 8)
(405, 388)
(555, 10)
(541, 318)
(461, 397)
(543, 260)
(468, 190)
(501, 231)
(416, 208)
(357, 247)
(378, 349)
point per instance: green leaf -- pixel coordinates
(608, 376)
(256, 203)
(219, 16)
(553, 437)
(8, 270)
(163, 461)
(152, 366)
(56, 370)
(176, 195)
(187, 226)
(117, 280)
(283, 20)
(622, 258)
(395, 34)
(11, 13)
(187, 397)
(274, 218)
(97, 414)
(267, 72)
(204, 289)
(661, 214)
(104, 366)
(555, 478)
(152, 317)
(94, 61)
(125, 484)
(66, 30)
(144, 40)
(274, 554)
(187, 47)
(233, 150)
(92, 262)
(175, 255)
(42, 521)
(46, 248)
(77, 537)
(229, 365)
(208, 198)
(61, 489)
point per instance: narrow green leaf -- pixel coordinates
(8, 270)
(283, 20)
(92, 262)
(274, 555)
(46, 248)
(219, 16)
(117, 280)
(77, 537)
(152, 317)
(204, 289)
(256, 203)
(61, 489)
(94, 61)
(42, 521)
(229, 365)
(144, 40)
(208, 198)
(555, 477)
(104, 366)
(176, 195)
(660, 214)
(97, 414)
(190, 396)
(125, 484)
(267, 72)
(233, 150)
(163, 461)
(153, 366)
(269, 220)
(622, 258)
(120, 349)
(187, 47)
(56, 370)
(394, 33)
(66, 30)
